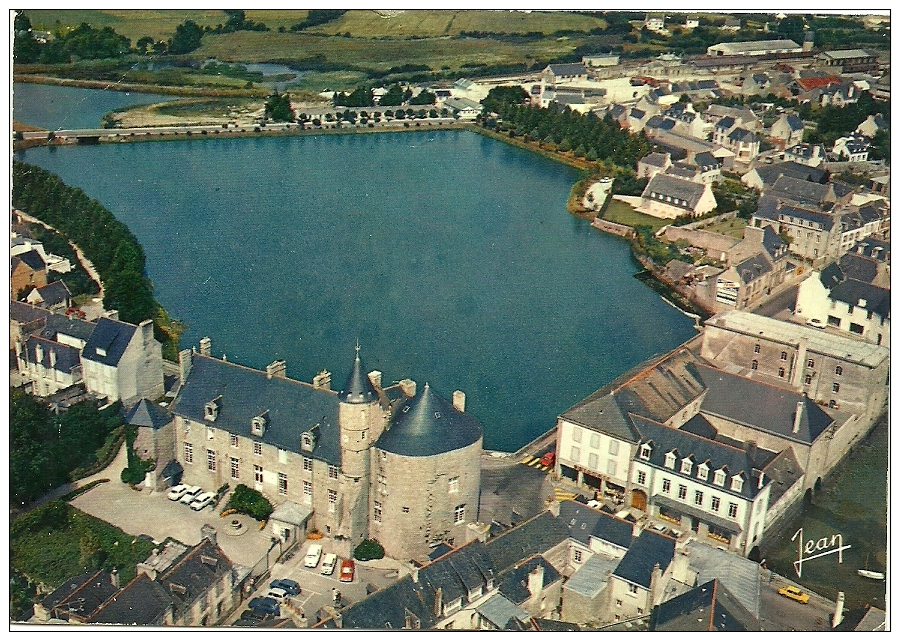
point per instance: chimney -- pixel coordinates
(114, 577)
(750, 448)
(205, 346)
(375, 378)
(185, 361)
(147, 331)
(554, 508)
(415, 574)
(655, 577)
(459, 401)
(323, 380)
(799, 364)
(838, 610)
(798, 415)
(52, 358)
(112, 314)
(438, 593)
(208, 532)
(276, 369)
(338, 619)
(536, 581)
(408, 387)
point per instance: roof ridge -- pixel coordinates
(685, 432)
(255, 370)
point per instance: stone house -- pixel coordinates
(55, 296)
(652, 164)
(670, 197)
(761, 177)
(787, 130)
(27, 270)
(155, 440)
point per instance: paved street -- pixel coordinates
(776, 610)
(500, 475)
(780, 306)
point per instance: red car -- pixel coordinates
(348, 567)
(549, 459)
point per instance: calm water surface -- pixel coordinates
(450, 257)
(61, 107)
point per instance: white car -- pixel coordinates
(202, 501)
(177, 492)
(190, 494)
(328, 563)
(815, 322)
(313, 555)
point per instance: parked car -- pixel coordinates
(287, 585)
(190, 494)
(278, 594)
(313, 555)
(548, 460)
(203, 500)
(815, 322)
(265, 605)
(328, 563)
(348, 569)
(177, 492)
(792, 592)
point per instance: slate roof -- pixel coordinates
(110, 336)
(70, 586)
(30, 258)
(741, 135)
(709, 606)
(681, 170)
(83, 595)
(647, 550)
(141, 602)
(768, 408)
(753, 268)
(293, 407)
(67, 357)
(858, 267)
(513, 583)
(532, 537)
(773, 243)
(358, 388)
(147, 414)
(772, 208)
(51, 324)
(637, 113)
(592, 577)
(726, 123)
(706, 161)
(769, 174)
(851, 291)
(551, 625)
(54, 293)
(566, 70)
(800, 190)
(502, 613)
(426, 425)
(662, 185)
(656, 159)
(583, 522)
(738, 574)
(831, 275)
(795, 122)
(194, 574)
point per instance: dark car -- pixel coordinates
(287, 585)
(265, 605)
(255, 615)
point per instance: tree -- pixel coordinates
(186, 38)
(26, 49)
(500, 96)
(425, 97)
(278, 108)
(144, 44)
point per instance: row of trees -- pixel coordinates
(396, 95)
(106, 242)
(45, 448)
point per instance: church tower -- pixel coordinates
(359, 414)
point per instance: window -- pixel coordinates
(258, 473)
(732, 510)
(784, 355)
(377, 512)
(576, 434)
(670, 460)
(808, 379)
(714, 504)
(645, 452)
(307, 493)
(307, 464)
(835, 388)
(332, 501)
(306, 441)
(211, 460)
(698, 498)
(282, 456)
(755, 348)
(577, 556)
(781, 371)
(611, 467)
(754, 365)
(595, 440)
(633, 589)
(834, 321)
(592, 461)
(613, 447)
(682, 492)
(856, 329)
(703, 471)
(235, 468)
(737, 483)
(838, 370)
(810, 364)
(188, 453)
(234, 440)
(686, 465)
(282, 483)
(719, 478)
(404, 509)
(453, 484)
(641, 478)
(333, 472)
(257, 448)
(576, 454)
(210, 434)
(459, 514)
(382, 484)
(667, 486)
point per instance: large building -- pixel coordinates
(399, 464)
(762, 47)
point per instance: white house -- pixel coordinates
(123, 362)
(670, 197)
(788, 130)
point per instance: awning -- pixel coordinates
(716, 521)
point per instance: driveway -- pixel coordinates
(153, 514)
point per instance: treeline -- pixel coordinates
(82, 42)
(106, 242)
(77, 279)
(317, 17)
(45, 448)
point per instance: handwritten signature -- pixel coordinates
(817, 548)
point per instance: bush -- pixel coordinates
(369, 550)
(250, 502)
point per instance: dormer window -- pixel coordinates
(211, 409)
(307, 441)
(670, 460)
(101, 352)
(686, 465)
(703, 471)
(646, 449)
(737, 483)
(259, 423)
(719, 478)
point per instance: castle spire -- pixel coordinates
(358, 388)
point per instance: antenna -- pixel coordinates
(357, 348)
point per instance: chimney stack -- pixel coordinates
(838, 610)
(750, 447)
(112, 314)
(276, 369)
(114, 577)
(205, 346)
(459, 401)
(408, 387)
(798, 415)
(323, 380)
(554, 508)
(185, 362)
(375, 379)
(536, 581)
(655, 577)
(438, 594)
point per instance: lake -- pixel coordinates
(448, 255)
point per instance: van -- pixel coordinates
(279, 594)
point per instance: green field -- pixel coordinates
(622, 213)
(732, 227)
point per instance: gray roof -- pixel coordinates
(726, 123)
(358, 388)
(194, 574)
(592, 577)
(500, 611)
(426, 425)
(738, 574)
(567, 69)
(709, 606)
(54, 293)
(31, 258)
(141, 602)
(82, 595)
(858, 267)
(647, 550)
(584, 522)
(795, 122)
(147, 414)
(742, 135)
(706, 159)
(768, 408)
(513, 583)
(800, 190)
(753, 268)
(67, 357)
(676, 188)
(770, 207)
(773, 243)
(851, 292)
(23, 313)
(110, 336)
(831, 275)
(769, 173)
(656, 159)
(292, 407)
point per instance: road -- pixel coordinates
(500, 475)
(780, 306)
(776, 610)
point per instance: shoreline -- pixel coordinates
(100, 84)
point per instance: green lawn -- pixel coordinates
(622, 213)
(732, 227)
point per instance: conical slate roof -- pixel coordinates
(427, 425)
(358, 389)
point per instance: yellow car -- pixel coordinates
(792, 592)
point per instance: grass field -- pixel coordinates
(622, 213)
(732, 228)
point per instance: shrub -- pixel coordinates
(250, 502)
(369, 550)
